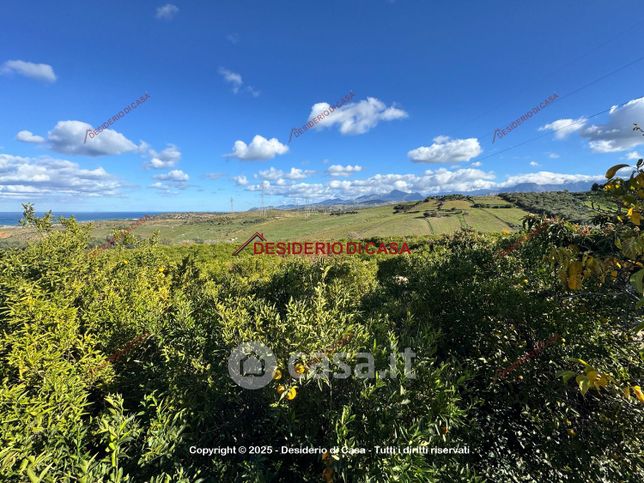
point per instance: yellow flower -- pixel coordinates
(125, 262)
(326, 455)
(277, 375)
(299, 368)
(290, 395)
(161, 269)
(567, 421)
(571, 432)
(638, 393)
(281, 388)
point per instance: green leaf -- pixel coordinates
(566, 375)
(583, 383)
(611, 172)
(636, 280)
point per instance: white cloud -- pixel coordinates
(339, 170)
(236, 81)
(27, 178)
(634, 155)
(167, 158)
(446, 150)
(275, 174)
(241, 180)
(565, 127)
(534, 164)
(356, 117)
(553, 155)
(260, 148)
(430, 182)
(71, 137)
(171, 181)
(167, 11)
(547, 177)
(232, 78)
(176, 175)
(615, 135)
(253, 92)
(29, 137)
(44, 72)
(476, 164)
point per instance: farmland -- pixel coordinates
(115, 362)
(379, 221)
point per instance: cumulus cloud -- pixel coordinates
(615, 135)
(356, 117)
(44, 72)
(476, 164)
(167, 158)
(27, 178)
(547, 177)
(446, 150)
(29, 137)
(275, 174)
(176, 175)
(260, 148)
(171, 181)
(429, 182)
(339, 170)
(564, 127)
(241, 180)
(167, 11)
(534, 164)
(70, 137)
(634, 155)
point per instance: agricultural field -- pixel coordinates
(277, 225)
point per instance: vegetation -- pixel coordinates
(113, 361)
(575, 207)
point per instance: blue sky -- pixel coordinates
(228, 81)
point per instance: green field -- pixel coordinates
(381, 221)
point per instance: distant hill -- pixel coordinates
(397, 196)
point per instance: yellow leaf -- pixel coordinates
(574, 275)
(612, 171)
(638, 393)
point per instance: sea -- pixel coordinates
(13, 219)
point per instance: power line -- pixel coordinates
(563, 66)
(583, 120)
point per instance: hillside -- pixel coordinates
(478, 213)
